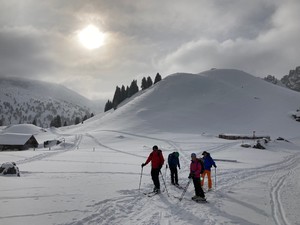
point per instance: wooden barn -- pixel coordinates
(16, 141)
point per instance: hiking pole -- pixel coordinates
(164, 183)
(141, 179)
(185, 189)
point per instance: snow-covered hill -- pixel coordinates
(93, 177)
(215, 101)
(23, 101)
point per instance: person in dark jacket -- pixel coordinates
(195, 170)
(173, 161)
(208, 163)
(157, 160)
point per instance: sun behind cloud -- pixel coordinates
(91, 37)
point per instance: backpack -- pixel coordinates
(159, 154)
(200, 160)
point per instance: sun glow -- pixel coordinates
(91, 37)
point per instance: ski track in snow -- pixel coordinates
(231, 178)
(278, 172)
(52, 153)
(113, 149)
(277, 183)
(225, 183)
(138, 209)
(135, 208)
(217, 148)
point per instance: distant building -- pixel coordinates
(240, 136)
(16, 141)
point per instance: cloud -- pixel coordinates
(22, 51)
(38, 39)
(273, 51)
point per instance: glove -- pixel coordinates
(160, 167)
(178, 167)
(143, 164)
(215, 166)
(191, 175)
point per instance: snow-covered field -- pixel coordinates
(93, 177)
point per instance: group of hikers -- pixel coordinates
(199, 169)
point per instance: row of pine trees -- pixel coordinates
(123, 93)
(57, 121)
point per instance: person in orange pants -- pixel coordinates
(208, 163)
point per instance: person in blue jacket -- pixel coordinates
(173, 161)
(208, 163)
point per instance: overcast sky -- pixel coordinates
(39, 39)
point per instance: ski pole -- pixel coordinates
(215, 178)
(185, 189)
(166, 171)
(141, 179)
(164, 183)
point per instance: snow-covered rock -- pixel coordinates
(9, 168)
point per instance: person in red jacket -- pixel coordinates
(157, 160)
(195, 170)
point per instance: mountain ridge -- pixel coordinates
(290, 81)
(24, 101)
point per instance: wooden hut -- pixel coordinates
(17, 141)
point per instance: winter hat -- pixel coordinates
(155, 147)
(205, 152)
(176, 154)
(193, 155)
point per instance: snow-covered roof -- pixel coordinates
(7, 165)
(14, 139)
(23, 129)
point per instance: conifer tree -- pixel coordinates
(149, 82)
(157, 78)
(56, 122)
(117, 97)
(85, 118)
(108, 106)
(77, 120)
(123, 93)
(133, 88)
(144, 84)
(127, 92)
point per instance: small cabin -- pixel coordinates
(17, 141)
(240, 136)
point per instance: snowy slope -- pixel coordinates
(93, 177)
(216, 101)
